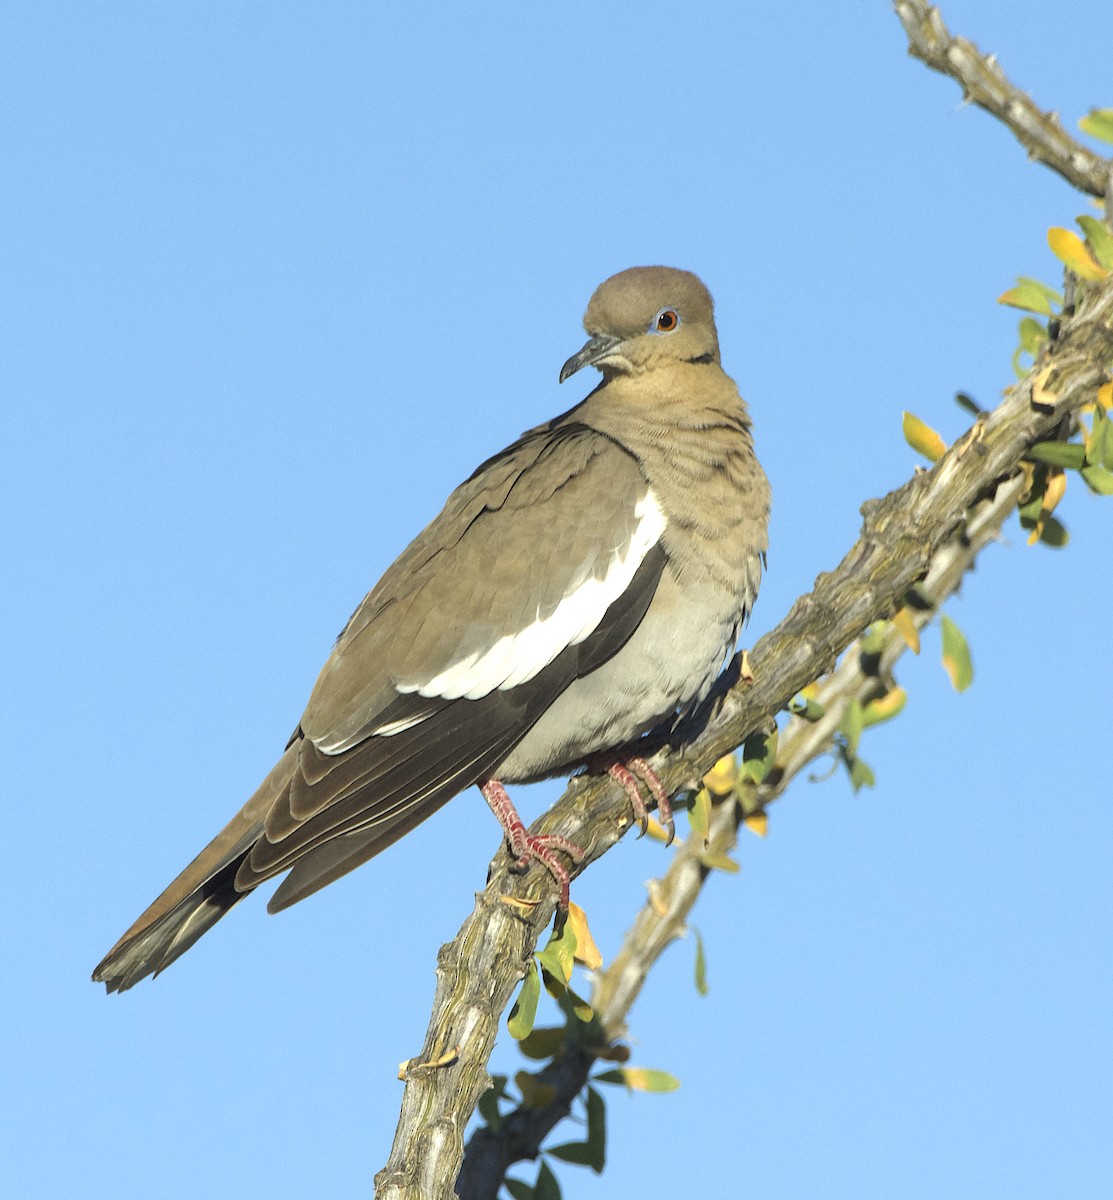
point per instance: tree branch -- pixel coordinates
(662, 919)
(901, 536)
(983, 82)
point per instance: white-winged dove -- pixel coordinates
(581, 588)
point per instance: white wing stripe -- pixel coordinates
(518, 657)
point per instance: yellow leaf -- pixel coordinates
(922, 438)
(1053, 493)
(885, 707)
(656, 830)
(641, 1079)
(956, 655)
(1072, 251)
(587, 952)
(906, 627)
(1105, 396)
(722, 777)
(720, 862)
(757, 823)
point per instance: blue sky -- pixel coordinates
(278, 276)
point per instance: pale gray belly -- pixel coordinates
(671, 661)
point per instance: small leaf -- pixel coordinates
(956, 655)
(1100, 240)
(1105, 396)
(861, 774)
(757, 823)
(1099, 450)
(1032, 335)
(1054, 533)
(922, 438)
(884, 708)
(905, 625)
(597, 1126)
(722, 777)
(656, 830)
(546, 1187)
(1071, 251)
(720, 862)
(1099, 480)
(519, 1189)
(559, 954)
(1031, 295)
(579, 1153)
(587, 952)
(806, 708)
(641, 1079)
(1058, 454)
(542, 1043)
(524, 1012)
(701, 964)
(489, 1109)
(1098, 122)
(758, 752)
(851, 725)
(699, 815)
(968, 402)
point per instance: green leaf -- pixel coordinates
(489, 1108)
(1054, 533)
(701, 964)
(1058, 454)
(1099, 238)
(1031, 295)
(1032, 335)
(968, 402)
(699, 815)
(519, 1189)
(956, 655)
(852, 725)
(583, 1154)
(524, 1012)
(1098, 122)
(542, 1042)
(640, 1079)
(559, 954)
(546, 1187)
(1099, 451)
(861, 774)
(809, 710)
(758, 752)
(1099, 480)
(597, 1126)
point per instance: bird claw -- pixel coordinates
(628, 775)
(526, 847)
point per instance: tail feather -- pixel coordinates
(198, 898)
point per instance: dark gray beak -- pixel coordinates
(597, 348)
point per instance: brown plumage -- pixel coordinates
(578, 590)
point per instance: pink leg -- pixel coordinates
(628, 775)
(524, 846)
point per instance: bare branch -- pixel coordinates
(901, 537)
(983, 82)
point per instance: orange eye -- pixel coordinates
(667, 320)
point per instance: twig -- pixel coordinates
(983, 82)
